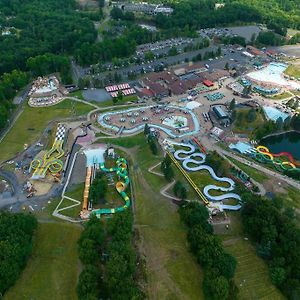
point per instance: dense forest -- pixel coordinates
(109, 258)
(196, 14)
(16, 231)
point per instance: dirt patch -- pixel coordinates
(275, 186)
(43, 186)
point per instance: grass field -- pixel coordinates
(32, 122)
(282, 96)
(52, 271)
(293, 71)
(252, 172)
(172, 271)
(251, 276)
(242, 125)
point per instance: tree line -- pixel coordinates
(16, 232)
(109, 257)
(218, 265)
(195, 14)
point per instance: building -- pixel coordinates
(254, 51)
(217, 133)
(144, 7)
(208, 83)
(220, 113)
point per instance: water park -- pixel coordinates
(96, 163)
(282, 161)
(173, 120)
(193, 161)
(273, 74)
(46, 91)
(51, 160)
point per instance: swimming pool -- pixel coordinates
(273, 73)
(273, 113)
(175, 121)
(94, 156)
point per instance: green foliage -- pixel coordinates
(251, 116)
(98, 188)
(121, 265)
(269, 38)
(49, 63)
(279, 15)
(52, 26)
(166, 168)
(16, 231)
(218, 265)
(180, 190)
(88, 287)
(278, 240)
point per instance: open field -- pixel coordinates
(162, 237)
(293, 71)
(32, 122)
(282, 96)
(52, 271)
(251, 276)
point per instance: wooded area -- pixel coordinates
(16, 231)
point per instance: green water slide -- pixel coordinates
(121, 186)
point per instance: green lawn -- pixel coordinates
(172, 271)
(242, 125)
(282, 96)
(52, 271)
(32, 122)
(293, 71)
(127, 142)
(251, 276)
(252, 172)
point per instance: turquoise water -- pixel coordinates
(286, 142)
(94, 156)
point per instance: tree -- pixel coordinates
(215, 287)
(278, 276)
(149, 55)
(146, 129)
(232, 104)
(226, 66)
(89, 283)
(251, 116)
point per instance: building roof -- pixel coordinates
(156, 88)
(208, 82)
(254, 50)
(220, 112)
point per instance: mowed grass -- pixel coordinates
(172, 271)
(52, 271)
(252, 275)
(293, 71)
(281, 96)
(252, 172)
(33, 121)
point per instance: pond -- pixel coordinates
(285, 142)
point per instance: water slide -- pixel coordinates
(51, 159)
(87, 188)
(263, 153)
(187, 156)
(121, 186)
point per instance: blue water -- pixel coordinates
(285, 142)
(94, 156)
